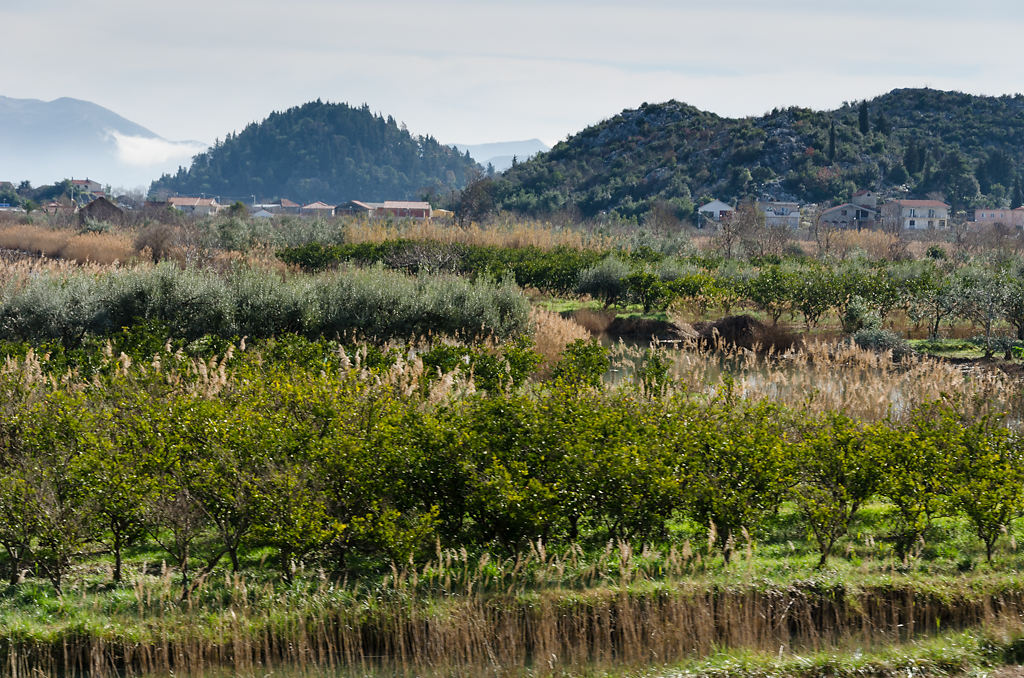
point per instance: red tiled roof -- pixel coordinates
(406, 205)
(285, 202)
(185, 201)
(317, 206)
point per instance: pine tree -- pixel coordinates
(865, 125)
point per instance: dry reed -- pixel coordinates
(512, 233)
(843, 378)
(466, 615)
(100, 248)
(552, 333)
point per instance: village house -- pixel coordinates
(62, 207)
(357, 208)
(849, 216)
(200, 207)
(101, 209)
(282, 206)
(1006, 217)
(87, 186)
(780, 213)
(318, 208)
(398, 209)
(716, 211)
(404, 209)
(915, 215)
(865, 198)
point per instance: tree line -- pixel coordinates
(355, 458)
(861, 294)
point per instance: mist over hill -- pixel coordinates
(46, 141)
(968, 149)
(501, 154)
(323, 151)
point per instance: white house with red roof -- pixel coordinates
(915, 215)
(198, 206)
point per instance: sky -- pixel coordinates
(493, 70)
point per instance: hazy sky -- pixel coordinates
(490, 70)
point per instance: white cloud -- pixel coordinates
(149, 152)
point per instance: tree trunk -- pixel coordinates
(117, 556)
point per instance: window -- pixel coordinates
(911, 224)
(931, 223)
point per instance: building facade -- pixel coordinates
(915, 215)
(849, 216)
(780, 213)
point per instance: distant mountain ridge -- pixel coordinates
(323, 151)
(45, 141)
(967, 149)
(500, 154)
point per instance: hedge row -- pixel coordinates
(191, 303)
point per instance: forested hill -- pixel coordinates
(968, 148)
(322, 151)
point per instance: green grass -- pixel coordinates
(970, 653)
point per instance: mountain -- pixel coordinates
(499, 154)
(46, 141)
(968, 149)
(323, 151)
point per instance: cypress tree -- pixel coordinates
(1017, 199)
(832, 142)
(865, 125)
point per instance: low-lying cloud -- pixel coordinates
(148, 151)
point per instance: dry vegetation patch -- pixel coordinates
(100, 248)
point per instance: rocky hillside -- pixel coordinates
(969, 149)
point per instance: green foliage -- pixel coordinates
(193, 304)
(961, 145)
(836, 477)
(555, 271)
(320, 454)
(875, 339)
(606, 280)
(582, 363)
(323, 151)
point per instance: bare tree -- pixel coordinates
(735, 227)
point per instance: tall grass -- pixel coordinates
(837, 377)
(463, 615)
(99, 248)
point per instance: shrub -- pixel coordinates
(859, 315)
(191, 303)
(874, 339)
(605, 280)
(582, 362)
